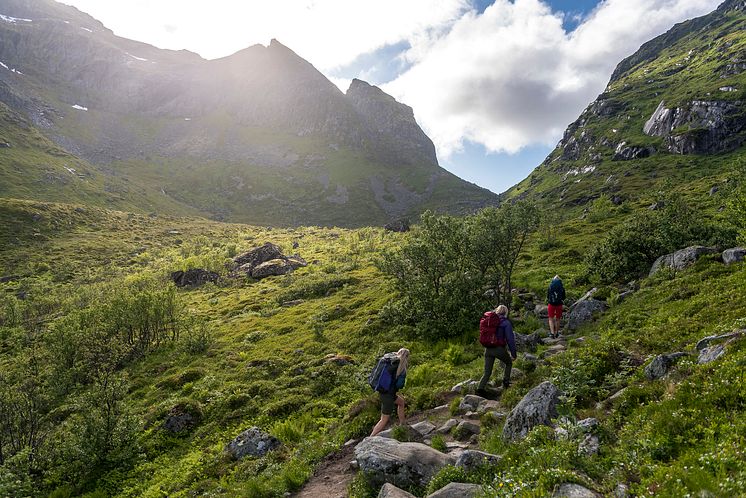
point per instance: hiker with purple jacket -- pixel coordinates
(389, 397)
(497, 347)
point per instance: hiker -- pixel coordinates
(504, 339)
(555, 298)
(389, 398)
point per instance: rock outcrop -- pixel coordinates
(583, 312)
(266, 261)
(572, 490)
(193, 278)
(681, 259)
(734, 255)
(660, 365)
(624, 152)
(458, 490)
(472, 459)
(252, 442)
(388, 490)
(538, 407)
(700, 127)
(402, 464)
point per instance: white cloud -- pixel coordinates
(328, 33)
(512, 76)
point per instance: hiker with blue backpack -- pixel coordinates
(555, 299)
(388, 376)
(496, 335)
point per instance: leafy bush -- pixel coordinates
(438, 442)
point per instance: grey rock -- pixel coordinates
(180, 420)
(530, 358)
(621, 491)
(470, 403)
(589, 445)
(714, 190)
(660, 365)
(446, 427)
(572, 490)
(734, 255)
(541, 311)
(457, 490)
(273, 267)
(423, 428)
(402, 464)
(538, 407)
(390, 491)
(465, 429)
(626, 152)
(193, 278)
(488, 405)
(258, 255)
(710, 354)
(709, 126)
(588, 424)
(681, 259)
(252, 442)
(471, 459)
(705, 342)
(527, 342)
(465, 385)
(583, 312)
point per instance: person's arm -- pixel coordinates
(562, 293)
(510, 337)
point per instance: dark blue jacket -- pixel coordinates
(507, 329)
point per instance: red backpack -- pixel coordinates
(488, 330)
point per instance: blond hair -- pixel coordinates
(403, 355)
(501, 310)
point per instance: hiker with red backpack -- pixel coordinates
(496, 335)
(388, 376)
(555, 299)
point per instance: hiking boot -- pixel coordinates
(487, 394)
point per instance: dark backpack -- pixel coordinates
(489, 326)
(382, 378)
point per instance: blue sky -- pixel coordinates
(494, 83)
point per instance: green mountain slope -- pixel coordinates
(696, 75)
(258, 136)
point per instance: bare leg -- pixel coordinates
(400, 409)
(556, 325)
(381, 425)
(551, 326)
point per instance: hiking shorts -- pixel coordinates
(555, 311)
(388, 401)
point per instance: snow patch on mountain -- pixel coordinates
(86, 29)
(13, 20)
(136, 57)
(79, 107)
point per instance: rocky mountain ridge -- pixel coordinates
(264, 117)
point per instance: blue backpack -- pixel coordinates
(382, 378)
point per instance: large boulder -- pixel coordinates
(734, 255)
(252, 442)
(538, 407)
(458, 490)
(681, 259)
(660, 365)
(708, 355)
(193, 278)
(541, 311)
(583, 312)
(527, 342)
(390, 491)
(402, 464)
(273, 267)
(258, 255)
(626, 152)
(472, 459)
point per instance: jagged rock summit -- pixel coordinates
(259, 136)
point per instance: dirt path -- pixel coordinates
(332, 477)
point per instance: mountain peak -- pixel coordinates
(733, 5)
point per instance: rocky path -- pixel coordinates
(334, 475)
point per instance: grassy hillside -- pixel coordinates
(246, 359)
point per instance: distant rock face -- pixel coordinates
(402, 464)
(702, 127)
(681, 259)
(193, 278)
(252, 442)
(392, 123)
(626, 152)
(538, 407)
(583, 312)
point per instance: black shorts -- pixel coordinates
(388, 400)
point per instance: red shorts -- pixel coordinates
(555, 311)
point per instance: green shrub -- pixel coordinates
(295, 429)
(445, 476)
(400, 433)
(438, 442)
